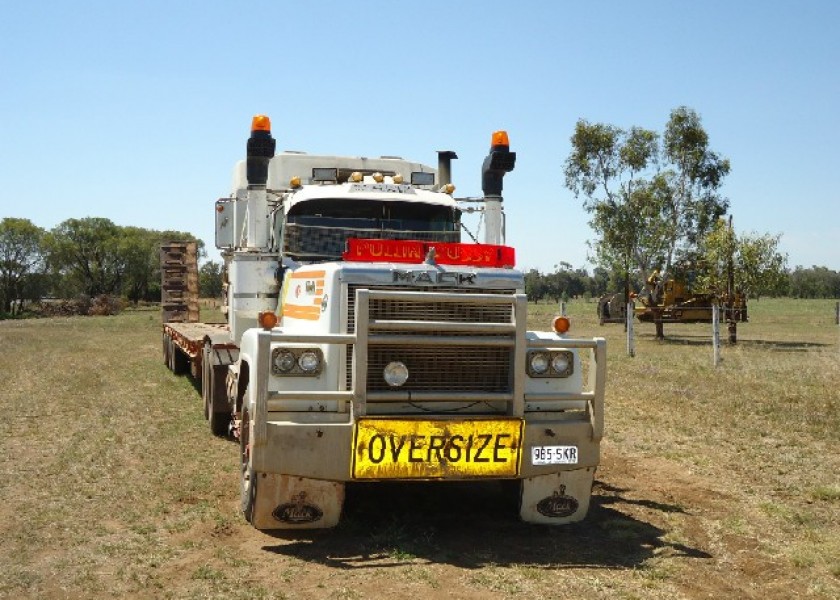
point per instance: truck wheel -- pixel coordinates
(219, 422)
(247, 479)
(205, 386)
(214, 384)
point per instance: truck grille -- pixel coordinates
(451, 368)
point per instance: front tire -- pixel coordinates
(247, 478)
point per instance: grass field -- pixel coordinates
(717, 483)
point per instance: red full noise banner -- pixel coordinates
(414, 251)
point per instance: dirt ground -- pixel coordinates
(464, 541)
(111, 486)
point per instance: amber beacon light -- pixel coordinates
(500, 138)
(260, 123)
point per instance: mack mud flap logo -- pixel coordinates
(297, 511)
(558, 504)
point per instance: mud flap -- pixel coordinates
(557, 498)
(289, 502)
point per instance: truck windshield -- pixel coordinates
(318, 229)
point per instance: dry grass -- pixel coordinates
(718, 482)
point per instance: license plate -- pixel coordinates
(554, 455)
(415, 449)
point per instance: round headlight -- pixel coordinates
(309, 361)
(395, 373)
(561, 363)
(539, 363)
(284, 361)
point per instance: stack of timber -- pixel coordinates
(179, 282)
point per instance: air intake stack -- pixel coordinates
(252, 270)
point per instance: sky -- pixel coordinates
(137, 111)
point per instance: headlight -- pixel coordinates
(395, 373)
(538, 363)
(561, 363)
(551, 363)
(284, 361)
(309, 362)
(297, 362)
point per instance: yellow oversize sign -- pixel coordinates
(414, 449)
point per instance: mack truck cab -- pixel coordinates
(372, 343)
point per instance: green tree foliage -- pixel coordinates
(210, 279)
(93, 256)
(564, 283)
(86, 252)
(21, 263)
(814, 282)
(757, 266)
(650, 198)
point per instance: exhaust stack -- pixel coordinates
(445, 158)
(498, 162)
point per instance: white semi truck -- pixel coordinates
(365, 342)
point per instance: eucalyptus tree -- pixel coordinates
(21, 260)
(650, 197)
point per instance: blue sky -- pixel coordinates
(137, 111)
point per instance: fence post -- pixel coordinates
(631, 342)
(563, 308)
(837, 314)
(715, 334)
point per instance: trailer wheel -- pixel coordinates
(166, 351)
(180, 362)
(247, 479)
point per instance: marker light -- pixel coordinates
(294, 182)
(356, 176)
(260, 123)
(378, 177)
(561, 324)
(324, 174)
(267, 319)
(421, 178)
(398, 178)
(500, 138)
(449, 188)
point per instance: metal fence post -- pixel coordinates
(715, 334)
(631, 342)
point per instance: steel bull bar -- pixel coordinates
(549, 489)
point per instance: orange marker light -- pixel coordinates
(260, 123)
(561, 324)
(267, 319)
(500, 138)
